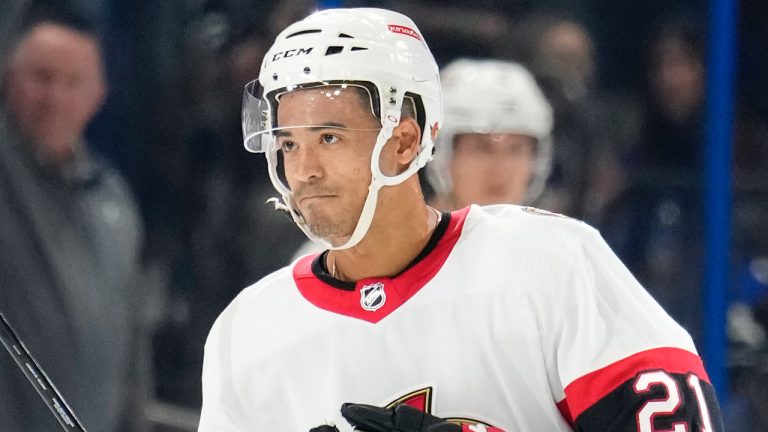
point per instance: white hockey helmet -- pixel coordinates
(378, 50)
(492, 96)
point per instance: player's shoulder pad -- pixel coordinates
(517, 212)
(541, 212)
(532, 221)
(267, 283)
(256, 293)
(574, 227)
(259, 292)
(553, 237)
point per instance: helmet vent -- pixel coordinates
(303, 32)
(358, 49)
(344, 35)
(334, 50)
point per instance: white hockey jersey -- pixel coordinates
(511, 317)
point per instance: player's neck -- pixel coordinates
(445, 202)
(395, 239)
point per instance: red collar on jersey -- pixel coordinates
(346, 298)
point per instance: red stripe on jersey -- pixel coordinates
(397, 290)
(589, 389)
(565, 411)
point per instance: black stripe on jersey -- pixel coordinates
(620, 409)
(434, 239)
(321, 272)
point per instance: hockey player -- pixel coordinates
(496, 146)
(482, 319)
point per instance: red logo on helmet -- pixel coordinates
(394, 28)
(433, 129)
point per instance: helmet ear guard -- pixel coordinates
(492, 96)
(378, 50)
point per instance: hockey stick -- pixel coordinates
(38, 378)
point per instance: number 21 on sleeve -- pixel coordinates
(659, 407)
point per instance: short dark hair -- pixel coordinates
(409, 108)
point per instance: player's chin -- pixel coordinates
(333, 233)
(328, 222)
(323, 228)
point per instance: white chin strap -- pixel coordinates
(378, 180)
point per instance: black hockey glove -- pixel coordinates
(403, 418)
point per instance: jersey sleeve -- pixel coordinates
(220, 406)
(617, 361)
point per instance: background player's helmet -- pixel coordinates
(378, 50)
(492, 96)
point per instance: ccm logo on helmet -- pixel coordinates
(291, 53)
(394, 28)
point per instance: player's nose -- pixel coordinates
(308, 164)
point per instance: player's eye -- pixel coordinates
(287, 145)
(330, 139)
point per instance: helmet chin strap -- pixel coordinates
(378, 180)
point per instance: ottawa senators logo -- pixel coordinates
(422, 400)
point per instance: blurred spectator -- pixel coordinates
(496, 144)
(70, 236)
(672, 136)
(656, 224)
(592, 128)
(563, 52)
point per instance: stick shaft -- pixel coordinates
(38, 378)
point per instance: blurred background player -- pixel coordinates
(496, 146)
(70, 237)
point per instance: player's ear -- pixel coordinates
(408, 137)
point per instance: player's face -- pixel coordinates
(492, 168)
(327, 166)
(55, 85)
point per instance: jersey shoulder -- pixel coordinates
(529, 227)
(269, 285)
(260, 294)
(523, 216)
